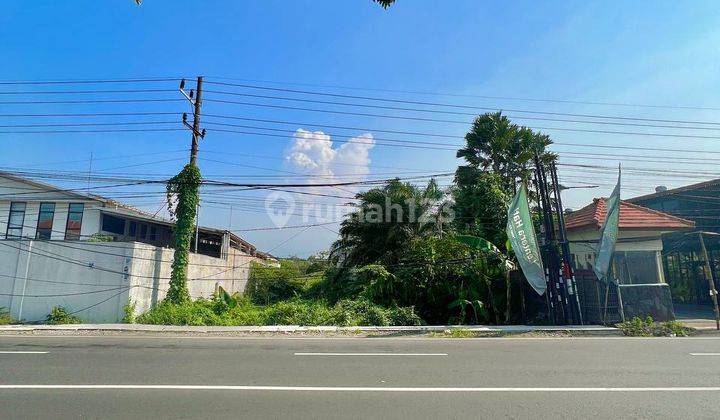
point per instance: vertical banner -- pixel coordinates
(521, 233)
(609, 233)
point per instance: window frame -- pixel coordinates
(22, 224)
(52, 220)
(67, 222)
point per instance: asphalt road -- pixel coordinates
(160, 377)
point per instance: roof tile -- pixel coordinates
(632, 216)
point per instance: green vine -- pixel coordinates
(183, 188)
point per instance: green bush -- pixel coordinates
(5, 318)
(129, 312)
(637, 327)
(199, 312)
(290, 312)
(293, 278)
(60, 315)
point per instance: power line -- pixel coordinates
(408, 118)
(89, 81)
(78, 92)
(90, 114)
(90, 124)
(91, 101)
(524, 111)
(93, 131)
(512, 98)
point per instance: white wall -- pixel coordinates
(152, 266)
(91, 277)
(644, 240)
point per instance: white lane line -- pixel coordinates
(704, 354)
(370, 354)
(359, 389)
(23, 352)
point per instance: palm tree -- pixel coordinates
(384, 3)
(495, 144)
(385, 221)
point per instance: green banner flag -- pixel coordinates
(521, 235)
(609, 233)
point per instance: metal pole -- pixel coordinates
(568, 272)
(711, 279)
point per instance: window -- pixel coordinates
(113, 224)
(15, 221)
(45, 221)
(74, 221)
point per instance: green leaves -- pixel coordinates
(384, 3)
(479, 244)
(231, 301)
(184, 187)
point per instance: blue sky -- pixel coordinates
(618, 52)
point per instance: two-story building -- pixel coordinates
(93, 255)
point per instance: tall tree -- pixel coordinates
(498, 155)
(385, 221)
(494, 144)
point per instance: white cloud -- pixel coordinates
(313, 153)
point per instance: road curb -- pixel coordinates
(290, 329)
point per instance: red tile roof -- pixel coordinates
(632, 216)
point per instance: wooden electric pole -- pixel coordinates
(711, 280)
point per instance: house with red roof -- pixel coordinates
(638, 253)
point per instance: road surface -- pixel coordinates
(223, 377)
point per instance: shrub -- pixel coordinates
(272, 284)
(5, 318)
(199, 312)
(290, 312)
(60, 315)
(637, 327)
(129, 312)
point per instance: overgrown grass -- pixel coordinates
(60, 315)
(5, 318)
(638, 327)
(243, 312)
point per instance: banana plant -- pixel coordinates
(480, 244)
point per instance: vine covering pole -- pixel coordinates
(184, 187)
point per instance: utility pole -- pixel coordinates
(185, 186)
(197, 106)
(711, 280)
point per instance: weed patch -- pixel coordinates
(638, 327)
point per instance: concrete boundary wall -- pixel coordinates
(97, 280)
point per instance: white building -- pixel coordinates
(93, 255)
(638, 251)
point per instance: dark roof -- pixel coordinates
(632, 216)
(691, 187)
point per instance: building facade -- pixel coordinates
(684, 259)
(94, 256)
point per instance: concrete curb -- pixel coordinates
(282, 329)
